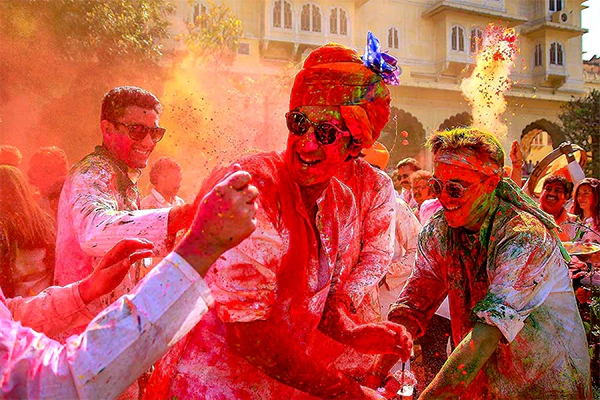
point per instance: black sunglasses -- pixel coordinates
(325, 132)
(454, 189)
(138, 132)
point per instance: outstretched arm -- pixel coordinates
(132, 333)
(464, 363)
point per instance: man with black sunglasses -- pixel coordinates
(290, 302)
(515, 324)
(99, 204)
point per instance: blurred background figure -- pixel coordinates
(27, 237)
(555, 193)
(47, 166)
(165, 177)
(587, 208)
(10, 155)
(423, 195)
(405, 168)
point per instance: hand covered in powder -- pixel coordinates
(383, 337)
(516, 156)
(113, 267)
(224, 218)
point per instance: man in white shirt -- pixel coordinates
(131, 334)
(99, 204)
(165, 177)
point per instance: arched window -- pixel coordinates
(310, 18)
(338, 22)
(393, 38)
(282, 14)
(556, 54)
(476, 39)
(538, 55)
(555, 5)
(458, 38)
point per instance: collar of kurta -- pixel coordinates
(132, 173)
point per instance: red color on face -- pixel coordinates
(421, 192)
(310, 162)
(404, 173)
(469, 210)
(553, 198)
(134, 153)
(586, 199)
(169, 183)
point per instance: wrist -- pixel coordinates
(199, 253)
(86, 291)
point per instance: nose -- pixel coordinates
(309, 141)
(147, 141)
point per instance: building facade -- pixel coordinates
(435, 42)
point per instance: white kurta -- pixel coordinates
(118, 345)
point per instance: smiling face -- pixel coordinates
(470, 209)
(134, 153)
(553, 198)
(310, 162)
(586, 199)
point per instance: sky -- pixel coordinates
(590, 19)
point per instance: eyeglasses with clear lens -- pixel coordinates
(325, 132)
(138, 132)
(454, 189)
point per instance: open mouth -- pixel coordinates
(141, 153)
(453, 208)
(307, 162)
(551, 198)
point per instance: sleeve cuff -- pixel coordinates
(506, 319)
(87, 310)
(186, 269)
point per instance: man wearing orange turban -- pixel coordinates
(323, 242)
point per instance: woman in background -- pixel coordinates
(27, 238)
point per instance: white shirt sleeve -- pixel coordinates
(117, 346)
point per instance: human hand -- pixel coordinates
(113, 267)
(567, 149)
(383, 337)
(516, 156)
(224, 218)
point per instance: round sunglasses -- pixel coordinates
(325, 132)
(454, 189)
(138, 132)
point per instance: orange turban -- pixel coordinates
(335, 75)
(376, 155)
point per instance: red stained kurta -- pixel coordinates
(278, 275)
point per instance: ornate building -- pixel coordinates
(435, 42)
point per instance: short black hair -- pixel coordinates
(121, 97)
(567, 186)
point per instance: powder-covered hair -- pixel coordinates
(420, 175)
(409, 161)
(474, 139)
(160, 166)
(121, 97)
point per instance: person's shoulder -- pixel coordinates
(262, 164)
(92, 164)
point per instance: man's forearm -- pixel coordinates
(464, 363)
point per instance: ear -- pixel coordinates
(354, 150)
(107, 129)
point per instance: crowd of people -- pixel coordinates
(305, 273)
